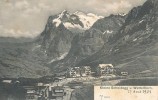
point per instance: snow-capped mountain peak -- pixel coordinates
(122, 14)
(79, 13)
(57, 21)
(76, 22)
(65, 13)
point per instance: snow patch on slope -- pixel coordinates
(141, 21)
(36, 47)
(108, 32)
(59, 58)
(57, 22)
(87, 19)
(70, 26)
(122, 14)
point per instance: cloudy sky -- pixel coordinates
(27, 18)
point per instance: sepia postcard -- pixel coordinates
(78, 49)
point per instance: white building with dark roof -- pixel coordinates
(105, 69)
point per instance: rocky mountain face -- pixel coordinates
(89, 42)
(134, 47)
(109, 24)
(55, 40)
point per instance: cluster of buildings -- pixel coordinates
(105, 69)
(79, 71)
(42, 92)
(83, 71)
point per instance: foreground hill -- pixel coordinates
(18, 60)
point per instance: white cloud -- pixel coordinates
(32, 10)
(17, 33)
(27, 18)
(22, 4)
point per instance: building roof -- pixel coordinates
(31, 91)
(40, 84)
(7, 81)
(105, 65)
(86, 67)
(57, 87)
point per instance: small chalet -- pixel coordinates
(30, 92)
(105, 69)
(86, 71)
(7, 81)
(82, 71)
(57, 93)
(73, 72)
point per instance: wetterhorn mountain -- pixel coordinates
(55, 40)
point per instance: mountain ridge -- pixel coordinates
(129, 42)
(133, 48)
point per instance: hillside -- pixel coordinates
(134, 47)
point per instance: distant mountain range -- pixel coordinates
(76, 39)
